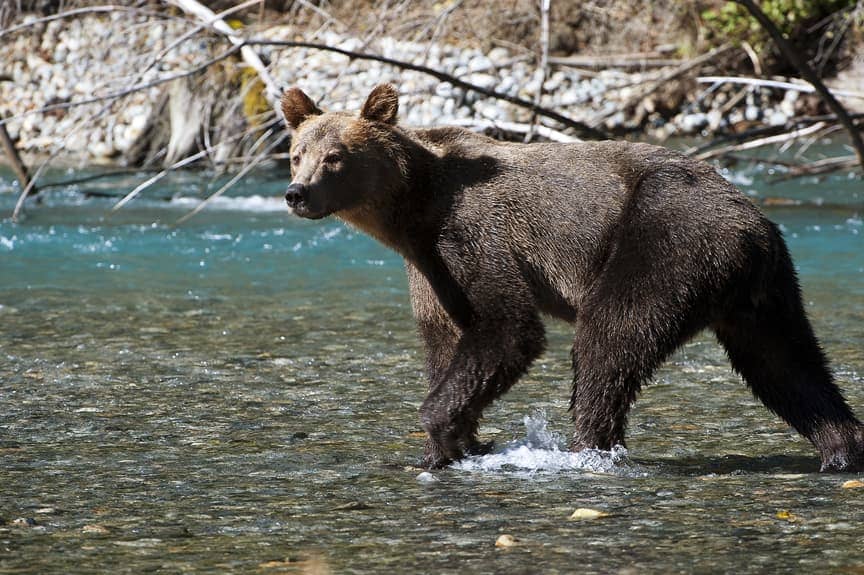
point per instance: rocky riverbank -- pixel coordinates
(68, 61)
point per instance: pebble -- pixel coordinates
(505, 541)
(776, 118)
(752, 113)
(584, 513)
(853, 484)
(426, 477)
(691, 123)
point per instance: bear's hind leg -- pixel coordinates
(775, 351)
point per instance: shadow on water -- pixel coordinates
(732, 465)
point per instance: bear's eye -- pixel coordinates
(332, 158)
(295, 160)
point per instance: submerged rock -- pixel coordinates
(426, 477)
(584, 513)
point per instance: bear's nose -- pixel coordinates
(294, 195)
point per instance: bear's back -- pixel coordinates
(555, 208)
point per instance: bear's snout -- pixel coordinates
(295, 195)
(302, 202)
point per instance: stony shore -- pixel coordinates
(71, 60)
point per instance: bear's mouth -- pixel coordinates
(303, 210)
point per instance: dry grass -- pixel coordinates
(587, 27)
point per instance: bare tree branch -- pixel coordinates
(246, 169)
(581, 127)
(18, 166)
(514, 127)
(543, 65)
(808, 74)
(763, 141)
(271, 92)
(789, 86)
(221, 15)
(112, 98)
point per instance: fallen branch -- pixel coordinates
(271, 91)
(246, 169)
(816, 168)
(754, 133)
(789, 86)
(808, 74)
(657, 82)
(635, 61)
(94, 177)
(17, 165)
(220, 16)
(516, 128)
(185, 162)
(581, 127)
(20, 203)
(763, 141)
(545, 8)
(150, 181)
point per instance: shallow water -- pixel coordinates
(240, 394)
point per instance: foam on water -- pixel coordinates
(544, 451)
(253, 203)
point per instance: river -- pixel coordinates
(240, 394)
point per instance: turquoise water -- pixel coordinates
(240, 394)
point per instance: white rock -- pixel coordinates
(448, 108)
(499, 55)
(487, 81)
(777, 118)
(101, 150)
(787, 106)
(554, 82)
(444, 89)
(715, 118)
(615, 120)
(479, 63)
(84, 87)
(414, 117)
(568, 97)
(693, 122)
(426, 477)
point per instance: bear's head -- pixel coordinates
(342, 162)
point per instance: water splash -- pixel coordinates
(253, 203)
(544, 451)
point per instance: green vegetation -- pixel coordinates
(732, 22)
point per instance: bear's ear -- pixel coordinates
(297, 106)
(382, 105)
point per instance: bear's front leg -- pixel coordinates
(486, 362)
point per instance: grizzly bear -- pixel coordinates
(638, 247)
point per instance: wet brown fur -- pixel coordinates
(638, 247)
